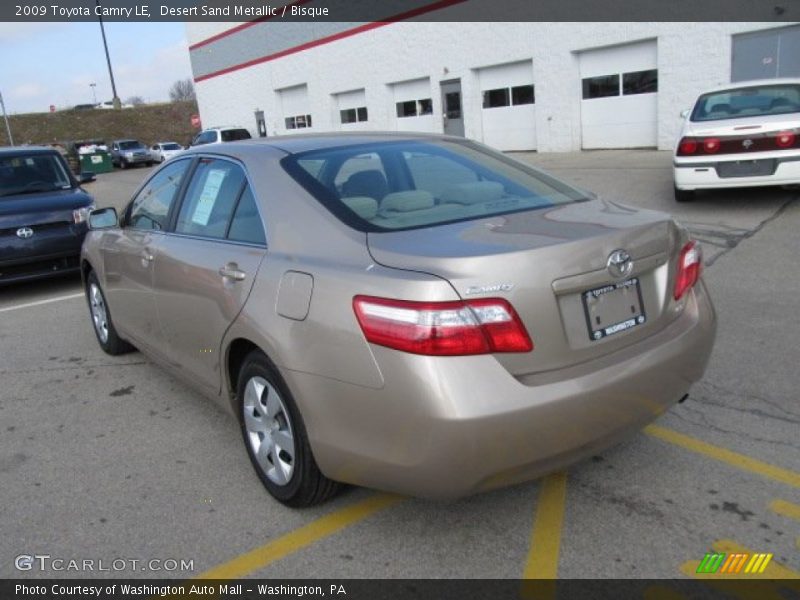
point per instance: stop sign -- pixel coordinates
(195, 120)
(52, 108)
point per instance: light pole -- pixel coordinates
(115, 99)
(94, 93)
(5, 116)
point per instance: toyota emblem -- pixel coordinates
(24, 232)
(619, 263)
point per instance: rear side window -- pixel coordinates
(388, 186)
(210, 199)
(150, 208)
(246, 225)
(232, 135)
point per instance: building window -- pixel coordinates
(353, 115)
(640, 82)
(414, 108)
(522, 94)
(496, 98)
(600, 87)
(298, 122)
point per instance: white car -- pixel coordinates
(745, 134)
(162, 151)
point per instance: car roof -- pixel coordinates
(293, 144)
(753, 83)
(17, 150)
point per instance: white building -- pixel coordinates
(515, 86)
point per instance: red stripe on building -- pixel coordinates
(314, 43)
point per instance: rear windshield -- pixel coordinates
(747, 102)
(405, 185)
(232, 135)
(172, 146)
(31, 174)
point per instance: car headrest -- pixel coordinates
(363, 206)
(472, 193)
(370, 183)
(407, 201)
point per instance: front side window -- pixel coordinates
(736, 103)
(210, 198)
(389, 186)
(151, 206)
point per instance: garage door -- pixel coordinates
(766, 54)
(295, 108)
(508, 110)
(413, 105)
(351, 110)
(619, 105)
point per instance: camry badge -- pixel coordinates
(619, 263)
(486, 289)
(24, 232)
(747, 143)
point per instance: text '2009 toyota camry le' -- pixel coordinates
(412, 313)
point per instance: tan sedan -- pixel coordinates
(412, 313)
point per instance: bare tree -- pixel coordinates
(182, 90)
(135, 100)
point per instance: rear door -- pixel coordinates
(206, 267)
(129, 254)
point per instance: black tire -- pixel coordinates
(149, 163)
(684, 195)
(113, 344)
(306, 486)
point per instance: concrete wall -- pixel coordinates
(691, 58)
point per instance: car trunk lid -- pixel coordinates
(544, 262)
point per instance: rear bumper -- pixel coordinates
(703, 175)
(448, 427)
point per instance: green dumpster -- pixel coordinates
(98, 161)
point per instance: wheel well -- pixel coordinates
(86, 268)
(237, 352)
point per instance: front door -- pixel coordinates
(452, 113)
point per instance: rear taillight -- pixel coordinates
(690, 265)
(711, 145)
(457, 328)
(687, 146)
(785, 139)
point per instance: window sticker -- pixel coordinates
(205, 204)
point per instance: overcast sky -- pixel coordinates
(54, 63)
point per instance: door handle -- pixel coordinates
(232, 271)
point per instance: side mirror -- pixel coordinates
(684, 113)
(103, 218)
(86, 177)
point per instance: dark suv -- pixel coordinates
(43, 213)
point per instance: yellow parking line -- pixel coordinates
(546, 534)
(734, 459)
(261, 557)
(787, 509)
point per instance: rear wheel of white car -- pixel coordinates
(102, 324)
(275, 436)
(684, 195)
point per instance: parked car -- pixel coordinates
(128, 153)
(161, 151)
(109, 105)
(221, 134)
(411, 313)
(745, 134)
(43, 213)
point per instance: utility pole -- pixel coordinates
(5, 116)
(115, 99)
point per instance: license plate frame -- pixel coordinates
(747, 168)
(598, 302)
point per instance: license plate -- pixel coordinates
(613, 308)
(747, 168)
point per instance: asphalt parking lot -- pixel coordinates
(109, 457)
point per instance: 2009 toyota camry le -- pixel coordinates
(413, 313)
